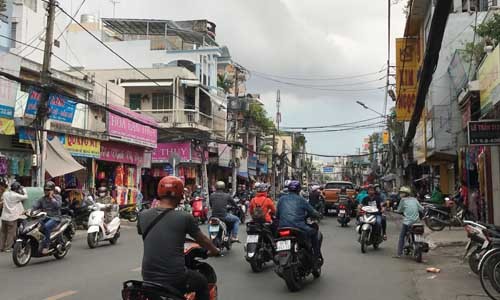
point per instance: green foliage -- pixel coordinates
(222, 81)
(299, 142)
(259, 115)
(490, 30)
(474, 52)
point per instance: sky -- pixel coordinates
(304, 39)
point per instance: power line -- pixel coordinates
(341, 156)
(329, 126)
(320, 85)
(317, 78)
(71, 21)
(366, 126)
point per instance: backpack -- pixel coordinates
(258, 212)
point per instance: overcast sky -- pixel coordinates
(295, 38)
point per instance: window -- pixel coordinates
(162, 101)
(338, 185)
(31, 4)
(13, 34)
(135, 101)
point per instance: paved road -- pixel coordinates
(98, 273)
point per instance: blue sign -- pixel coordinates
(252, 161)
(263, 168)
(27, 135)
(328, 170)
(169, 169)
(61, 109)
(6, 111)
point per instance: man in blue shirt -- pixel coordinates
(293, 210)
(50, 204)
(410, 208)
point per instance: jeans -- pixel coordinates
(194, 282)
(48, 225)
(382, 222)
(236, 224)
(402, 235)
(314, 236)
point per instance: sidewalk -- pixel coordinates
(455, 281)
(454, 237)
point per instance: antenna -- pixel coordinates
(114, 2)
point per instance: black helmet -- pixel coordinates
(15, 186)
(49, 186)
(3, 183)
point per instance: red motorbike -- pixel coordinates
(199, 210)
(142, 290)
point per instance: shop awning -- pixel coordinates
(59, 161)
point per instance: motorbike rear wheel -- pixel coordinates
(132, 217)
(93, 239)
(257, 265)
(292, 279)
(418, 254)
(63, 253)
(474, 259)
(115, 238)
(434, 225)
(21, 254)
(363, 240)
(489, 275)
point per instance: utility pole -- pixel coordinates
(42, 120)
(234, 117)
(114, 2)
(388, 56)
(278, 120)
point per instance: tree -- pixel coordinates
(222, 81)
(258, 114)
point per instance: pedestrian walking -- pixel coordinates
(13, 210)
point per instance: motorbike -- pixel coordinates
(415, 244)
(479, 235)
(243, 208)
(369, 232)
(141, 290)
(97, 232)
(220, 233)
(200, 212)
(344, 214)
(260, 246)
(438, 217)
(294, 257)
(30, 237)
(129, 212)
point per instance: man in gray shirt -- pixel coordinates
(163, 261)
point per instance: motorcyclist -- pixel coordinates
(292, 212)
(262, 202)
(361, 195)
(314, 196)
(166, 229)
(198, 192)
(346, 199)
(103, 197)
(52, 206)
(219, 202)
(374, 200)
(410, 208)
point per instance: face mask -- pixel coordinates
(102, 194)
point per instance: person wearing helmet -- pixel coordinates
(373, 199)
(410, 208)
(12, 211)
(51, 205)
(292, 212)
(164, 231)
(105, 198)
(315, 198)
(198, 192)
(219, 202)
(262, 207)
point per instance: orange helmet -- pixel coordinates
(170, 187)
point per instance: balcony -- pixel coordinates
(182, 118)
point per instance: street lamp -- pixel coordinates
(366, 107)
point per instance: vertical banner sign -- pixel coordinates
(407, 64)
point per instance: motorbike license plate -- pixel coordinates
(332, 211)
(342, 211)
(419, 238)
(283, 245)
(252, 239)
(213, 228)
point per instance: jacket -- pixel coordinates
(219, 202)
(262, 200)
(293, 210)
(51, 206)
(13, 205)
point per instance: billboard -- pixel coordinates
(489, 81)
(407, 65)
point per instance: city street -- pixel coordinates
(98, 273)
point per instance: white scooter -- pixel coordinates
(96, 231)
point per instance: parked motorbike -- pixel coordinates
(489, 269)
(200, 212)
(294, 257)
(97, 231)
(260, 245)
(369, 232)
(129, 212)
(29, 238)
(480, 235)
(344, 215)
(220, 233)
(415, 244)
(438, 217)
(141, 290)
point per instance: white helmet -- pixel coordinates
(315, 187)
(57, 190)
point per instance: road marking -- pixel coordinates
(61, 295)
(136, 269)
